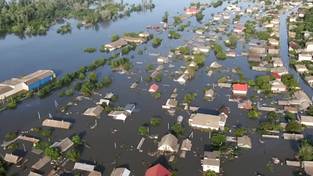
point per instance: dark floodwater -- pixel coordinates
(64, 53)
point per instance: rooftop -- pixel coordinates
(38, 75)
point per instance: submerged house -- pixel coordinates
(121, 171)
(277, 86)
(301, 68)
(186, 145)
(30, 82)
(158, 170)
(153, 88)
(94, 111)
(38, 79)
(56, 124)
(12, 159)
(84, 167)
(309, 80)
(244, 142)
(168, 143)
(12, 87)
(209, 94)
(116, 44)
(64, 145)
(240, 88)
(118, 115)
(211, 162)
(306, 120)
(191, 10)
(208, 121)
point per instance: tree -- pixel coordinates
(177, 129)
(81, 76)
(210, 173)
(218, 140)
(294, 127)
(272, 116)
(263, 83)
(219, 52)
(290, 82)
(10, 136)
(73, 155)
(143, 131)
(165, 17)
(199, 59)
(189, 97)
(92, 77)
(177, 20)
(199, 16)
(239, 132)
(156, 42)
(154, 121)
(115, 37)
(173, 35)
(76, 139)
(3, 167)
(53, 153)
(306, 151)
(254, 113)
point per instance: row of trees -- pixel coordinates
(35, 17)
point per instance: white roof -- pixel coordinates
(84, 167)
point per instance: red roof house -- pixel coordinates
(153, 88)
(192, 10)
(276, 75)
(157, 170)
(240, 88)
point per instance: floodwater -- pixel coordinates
(64, 53)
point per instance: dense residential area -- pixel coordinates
(156, 88)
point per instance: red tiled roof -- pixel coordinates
(240, 86)
(158, 170)
(276, 75)
(192, 10)
(153, 88)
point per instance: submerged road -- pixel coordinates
(283, 32)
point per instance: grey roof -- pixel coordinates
(4, 89)
(120, 172)
(41, 163)
(64, 144)
(35, 76)
(84, 167)
(56, 123)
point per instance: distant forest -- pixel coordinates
(34, 17)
